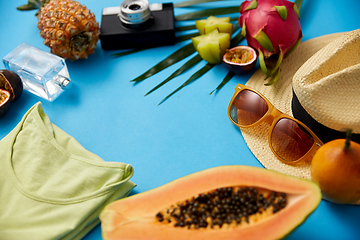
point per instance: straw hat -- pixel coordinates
(319, 84)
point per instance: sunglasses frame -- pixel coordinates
(274, 115)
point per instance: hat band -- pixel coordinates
(325, 134)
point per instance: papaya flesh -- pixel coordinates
(227, 202)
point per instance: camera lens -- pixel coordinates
(134, 7)
(134, 12)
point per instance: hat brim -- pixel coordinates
(280, 95)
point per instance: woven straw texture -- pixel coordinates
(328, 84)
(280, 95)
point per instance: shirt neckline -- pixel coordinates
(34, 112)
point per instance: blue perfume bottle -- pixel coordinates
(43, 74)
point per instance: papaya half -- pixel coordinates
(226, 202)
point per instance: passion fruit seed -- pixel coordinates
(5, 102)
(239, 56)
(3, 96)
(224, 206)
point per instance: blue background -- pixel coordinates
(111, 117)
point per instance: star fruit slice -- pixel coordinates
(212, 46)
(208, 25)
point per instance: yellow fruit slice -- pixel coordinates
(208, 25)
(212, 46)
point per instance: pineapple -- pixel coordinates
(69, 28)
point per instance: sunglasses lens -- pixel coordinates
(247, 108)
(290, 140)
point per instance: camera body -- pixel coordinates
(137, 24)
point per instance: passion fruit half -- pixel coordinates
(240, 59)
(12, 83)
(5, 102)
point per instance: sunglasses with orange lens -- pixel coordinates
(290, 140)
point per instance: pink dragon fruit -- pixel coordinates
(273, 28)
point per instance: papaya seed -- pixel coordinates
(223, 206)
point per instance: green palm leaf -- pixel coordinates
(188, 49)
(178, 55)
(234, 41)
(185, 28)
(127, 52)
(186, 37)
(192, 27)
(207, 13)
(195, 76)
(227, 78)
(197, 58)
(193, 2)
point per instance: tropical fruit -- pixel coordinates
(5, 102)
(212, 46)
(273, 28)
(336, 168)
(68, 28)
(240, 59)
(11, 82)
(227, 202)
(208, 25)
(11, 88)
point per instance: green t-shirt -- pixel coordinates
(50, 186)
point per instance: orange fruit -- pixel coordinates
(336, 169)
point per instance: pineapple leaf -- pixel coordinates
(193, 77)
(193, 2)
(197, 58)
(207, 13)
(227, 78)
(32, 5)
(178, 55)
(25, 7)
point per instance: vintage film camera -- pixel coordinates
(137, 24)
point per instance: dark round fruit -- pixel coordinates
(11, 82)
(240, 67)
(5, 102)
